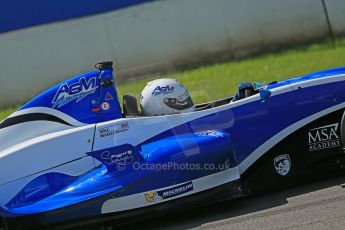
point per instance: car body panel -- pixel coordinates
(124, 163)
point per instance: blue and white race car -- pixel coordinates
(73, 156)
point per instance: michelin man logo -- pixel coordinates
(152, 197)
(282, 164)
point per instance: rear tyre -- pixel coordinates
(342, 132)
(2, 224)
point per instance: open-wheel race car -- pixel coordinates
(72, 156)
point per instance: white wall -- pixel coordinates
(336, 14)
(174, 31)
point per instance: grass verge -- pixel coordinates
(220, 80)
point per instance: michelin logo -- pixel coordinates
(155, 196)
(323, 137)
(76, 91)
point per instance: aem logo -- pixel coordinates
(79, 90)
(162, 90)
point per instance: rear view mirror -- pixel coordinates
(264, 94)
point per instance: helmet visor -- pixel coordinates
(178, 105)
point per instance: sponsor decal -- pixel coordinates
(105, 106)
(108, 97)
(119, 159)
(323, 137)
(76, 91)
(160, 195)
(162, 90)
(282, 164)
(212, 133)
(112, 130)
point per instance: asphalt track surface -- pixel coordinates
(319, 205)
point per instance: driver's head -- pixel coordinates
(165, 96)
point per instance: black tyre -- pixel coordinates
(26, 223)
(342, 132)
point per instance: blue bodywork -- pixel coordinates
(312, 76)
(52, 191)
(43, 12)
(229, 135)
(81, 98)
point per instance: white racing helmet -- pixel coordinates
(165, 96)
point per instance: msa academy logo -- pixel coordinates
(323, 137)
(76, 91)
(282, 164)
(155, 196)
(162, 90)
